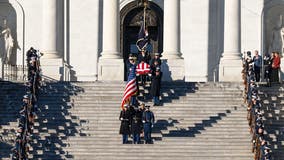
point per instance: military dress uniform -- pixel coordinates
(137, 125)
(148, 121)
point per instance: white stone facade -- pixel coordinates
(81, 39)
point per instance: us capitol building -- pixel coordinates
(89, 40)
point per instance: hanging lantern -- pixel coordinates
(143, 3)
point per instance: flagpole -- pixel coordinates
(145, 3)
(144, 20)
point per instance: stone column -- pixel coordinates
(111, 66)
(52, 60)
(49, 29)
(111, 30)
(173, 63)
(171, 29)
(230, 64)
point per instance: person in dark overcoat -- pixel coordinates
(267, 60)
(125, 118)
(156, 86)
(137, 125)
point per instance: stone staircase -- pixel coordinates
(10, 102)
(273, 107)
(80, 121)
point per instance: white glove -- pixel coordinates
(143, 121)
(121, 119)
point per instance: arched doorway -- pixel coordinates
(131, 16)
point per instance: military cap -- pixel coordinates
(158, 69)
(26, 96)
(157, 54)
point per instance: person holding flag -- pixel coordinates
(131, 88)
(143, 57)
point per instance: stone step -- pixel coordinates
(89, 127)
(184, 153)
(115, 107)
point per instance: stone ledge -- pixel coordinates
(111, 69)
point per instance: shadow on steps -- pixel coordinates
(55, 123)
(198, 127)
(10, 103)
(273, 108)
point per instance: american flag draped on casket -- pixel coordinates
(143, 68)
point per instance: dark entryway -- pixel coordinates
(131, 17)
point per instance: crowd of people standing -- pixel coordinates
(136, 121)
(251, 73)
(28, 107)
(270, 64)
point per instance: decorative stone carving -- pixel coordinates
(151, 18)
(277, 37)
(8, 43)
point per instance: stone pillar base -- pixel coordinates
(1, 70)
(111, 70)
(51, 54)
(51, 68)
(230, 70)
(173, 69)
(281, 77)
